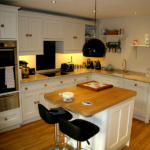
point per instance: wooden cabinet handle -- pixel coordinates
(87, 77)
(27, 34)
(35, 102)
(38, 102)
(61, 81)
(45, 84)
(75, 37)
(30, 35)
(26, 88)
(135, 84)
(5, 118)
(2, 25)
(74, 79)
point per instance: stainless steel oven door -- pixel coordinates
(8, 102)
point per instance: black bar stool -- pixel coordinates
(51, 117)
(79, 130)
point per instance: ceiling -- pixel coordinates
(84, 8)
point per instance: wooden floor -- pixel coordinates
(40, 136)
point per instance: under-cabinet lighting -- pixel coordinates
(53, 2)
(135, 12)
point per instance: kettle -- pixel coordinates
(98, 65)
(109, 67)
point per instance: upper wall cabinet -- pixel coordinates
(74, 38)
(8, 22)
(30, 35)
(53, 29)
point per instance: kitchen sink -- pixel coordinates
(119, 74)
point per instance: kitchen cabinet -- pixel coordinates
(30, 35)
(120, 120)
(97, 77)
(8, 22)
(141, 99)
(60, 84)
(80, 79)
(74, 39)
(10, 118)
(31, 95)
(53, 29)
(118, 83)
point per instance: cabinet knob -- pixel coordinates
(2, 25)
(61, 81)
(75, 37)
(5, 118)
(87, 77)
(27, 34)
(74, 79)
(30, 35)
(38, 102)
(45, 84)
(26, 88)
(35, 102)
(135, 84)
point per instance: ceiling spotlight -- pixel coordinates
(53, 2)
(135, 12)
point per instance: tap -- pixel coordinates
(124, 62)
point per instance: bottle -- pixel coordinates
(146, 39)
(71, 60)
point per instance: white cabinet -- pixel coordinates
(8, 22)
(74, 80)
(108, 80)
(30, 35)
(118, 83)
(32, 95)
(141, 99)
(53, 29)
(120, 120)
(60, 84)
(74, 39)
(97, 77)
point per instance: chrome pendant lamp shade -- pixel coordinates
(94, 47)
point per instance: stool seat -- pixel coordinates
(79, 130)
(51, 116)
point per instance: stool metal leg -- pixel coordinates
(78, 145)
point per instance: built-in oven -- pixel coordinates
(8, 58)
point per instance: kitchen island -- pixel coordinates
(111, 110)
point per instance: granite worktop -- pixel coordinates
(129, 75)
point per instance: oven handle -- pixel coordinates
(6, 49)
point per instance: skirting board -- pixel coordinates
(139, 118)
(30, 120)
(10, 128)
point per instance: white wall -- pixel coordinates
(135, 28)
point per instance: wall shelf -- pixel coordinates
(106, 36)
(134, 47)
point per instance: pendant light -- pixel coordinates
(94, 47)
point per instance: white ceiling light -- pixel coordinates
(135, 12)
(53, 2)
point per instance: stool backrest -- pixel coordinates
(46, 115)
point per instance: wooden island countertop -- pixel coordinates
(100, 100)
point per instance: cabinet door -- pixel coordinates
(8, 21)
(119, 124)
(29, 105)
(141, 98)
(23, 34)
(53, 29)
(97, 78)
(35, 34)
(69, 27)
(108, 80)
(118, 83)
(78, 37)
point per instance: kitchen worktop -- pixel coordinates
(129, 75)
(100, 100)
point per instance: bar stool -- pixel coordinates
(51, 117)
(79, 130)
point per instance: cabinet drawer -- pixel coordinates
(108, 80)
(60, 81)
(9, 118)
(28, 87)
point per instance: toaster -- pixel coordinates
(67, 67)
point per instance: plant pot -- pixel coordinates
(113, 50)
(112, 33)
(118, 50)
